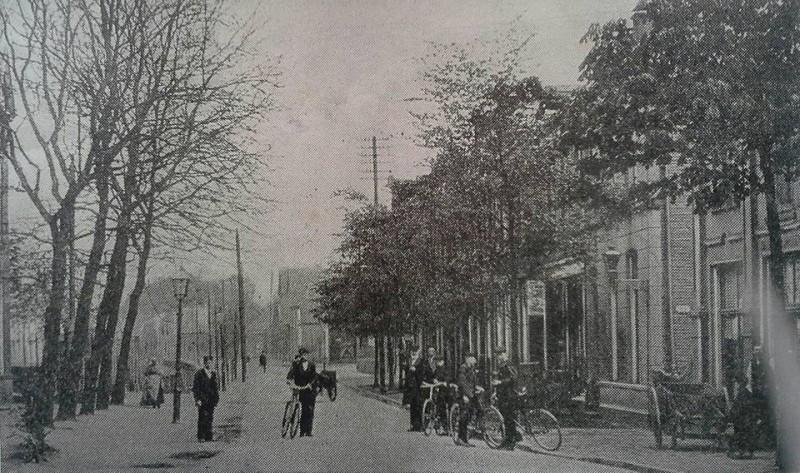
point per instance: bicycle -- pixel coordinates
(538, 423)
(488, 423)
(293, 412)
(431, 418)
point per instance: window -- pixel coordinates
(792, 278)
(730, 288)
(632, 264)
(784, 190)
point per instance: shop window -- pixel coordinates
(734, 333)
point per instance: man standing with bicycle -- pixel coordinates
(302, 374)
(468, 392)
(505, 384)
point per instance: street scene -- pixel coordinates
(530, 235)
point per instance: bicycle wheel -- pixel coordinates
(428, 412)
(296, 416)
(544, 429)
(454, 413)
(286, 419)
(492, 426)
(441, 423)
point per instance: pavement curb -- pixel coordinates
(637, 467)
(376, 396)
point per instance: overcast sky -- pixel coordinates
(347, 68)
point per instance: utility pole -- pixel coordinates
(242, 338)
(197, 327)
(222, 354)
(217, 340)
(222, 338)
(6, 113)
(375, 169)
(208, 327)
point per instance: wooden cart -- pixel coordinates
(688, 411)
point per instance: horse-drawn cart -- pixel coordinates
(688, 411)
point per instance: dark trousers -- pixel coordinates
(509, 414)
(416, 412)
(205, 422)
(308, 399)
(443, 403)
(415, 403)
(468, 409)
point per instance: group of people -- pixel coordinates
(430, 369)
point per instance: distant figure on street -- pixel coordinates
(469, 391)
(262, 360)
(153, 393)
(206, 397)
(445, 399)
(505, 384)
(416, 375)
(302, 374)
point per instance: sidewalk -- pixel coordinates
(131, 436)
(630, 448)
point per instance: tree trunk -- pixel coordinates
(118, 392)
(59, 225)
(376, 365)
(72, 369)
(391, 362)
(115, 286)
(513, 349)
(383, 363)
(115, 281)
(105, 325)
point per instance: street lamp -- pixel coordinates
(180, 287)
(611, 258)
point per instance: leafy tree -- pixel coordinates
(707, 91)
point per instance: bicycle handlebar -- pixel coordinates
(300, 388)
(433, 385)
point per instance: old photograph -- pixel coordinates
(400, 236)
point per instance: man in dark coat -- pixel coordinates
(206, 397)
(302, 374)
(440, 375)
(468, 393)
(505, 383)
(262, 360)
(419, 372)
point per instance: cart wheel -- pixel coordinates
(332, 393)
(655, 419)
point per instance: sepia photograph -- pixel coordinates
(400, 236)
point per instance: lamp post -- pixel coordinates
(611, 259)
(180, 287)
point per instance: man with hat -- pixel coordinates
(302, 374)
(206, 397)
(469, 391)
(505, 383)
